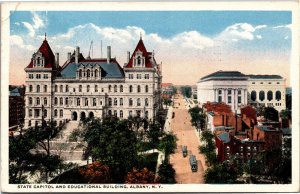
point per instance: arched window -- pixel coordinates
(261, 95)
(278, 95)
(78, 101)
(45, 101)
(66, 101)
(146, 114)
(38, 101)
(80, 73)
(38, 89)
(130, 102)
(115, 88)
(61, 113)
(109, 102)
(88, 73)
(96, 73)
(138, 102)
(139, 60)
(94, 102)
(30, 101)
(61, 88)
(130, 88)
(88, 88)
(38, 61)
(86, 101)
(121, 88)
(67, 88)
(138, 88)
(109, 88)
(55, 101)
(109, 112)
(80, 88)
(30, 88)
(61, 101)
(270, 95)
(121, 101)
(253, 95)
(30, 113)
(115, 101)
(45, 88)
(121, 114)
(146, 89)
(55, 112)
(96, 88)
(146, 102)
(45, 113)
(55, 88)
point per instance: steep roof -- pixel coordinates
(47, 53)
(141, 47)
(108, 70)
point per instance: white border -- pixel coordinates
(154, 6)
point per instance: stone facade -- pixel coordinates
(82, 88)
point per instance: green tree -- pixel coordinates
(208, 147)
(197, 117)
(186, 91)
(286, 114)
(153, 134)
(271, 114)
(166, 173)
(168, 144)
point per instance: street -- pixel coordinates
(186, 134)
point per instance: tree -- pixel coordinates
(143, 176)
(286, 114)
(167, 101)
(153, 134)
(198, 117)
(186, 91)
(208, 148)
(271, 114)
(166, 173)
(168, 144)
(96, 173)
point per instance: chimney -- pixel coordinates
(69, 56)
(77, 54)
(128, 56)
(108, 54)
(57, 59)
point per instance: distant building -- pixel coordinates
(194, 92)
(237, 89)
(270, 135)
(16, 106)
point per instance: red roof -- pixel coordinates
(47, 53)
(217, 107)
(141, 47)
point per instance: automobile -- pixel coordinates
(184, 151)
(193, 163)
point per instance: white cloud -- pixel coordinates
(258, 36)
(283, 26)
(17, 23)
(193, 39)
(31, 31)
(260, 27)
(18, 41)
(37, 21)
(286, 37)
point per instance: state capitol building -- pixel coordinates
(86, 87)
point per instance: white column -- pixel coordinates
(215, 95)
(245, 97)
(233, 99)
(225, 96)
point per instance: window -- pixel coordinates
(45, 76)
(61, 113)
(96, 88)
(270, 95)
(130, 88)
(146, 76)
(239, 99)
(229, 92)
(130, 76)
(45, 101)
(80, 73)
(139, 61)
(38, 89)
(38, 76)
(80, 88)
(115, 88)
(278, 83)
(146, 114)
(109, 102)
(241, 148)
(88, 73)
(138, 102)
(121, 88)
(78, 101)
(261, 82)
(146, 102)
(130, 102)
(229, 99)
(270, 83)
(220, 99)
(30, 101)
(61, 88)
(30, 76)
(109, 112)
(30, 113)
(86, 102)
(94, 102)
(115, 113)
(278, 95)
(115, 101)
(138, 88)
(121, 101)
(38, 101)
(219, 92)
(67, 88)
(253, 95)
(55, 88)
(45, 88)
(138, 76)
(239, 92)
(109, 88)
(146, 89)
(121, 114)
(253, 82)
(30, 88)
(130, 113)
(36, 112)
(88, 88)
(66, 101)
(55, 101)
(45, 113)
(261, 95)
(61, 101)
(29, 123)
(96, 73)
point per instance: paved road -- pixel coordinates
(182, 128)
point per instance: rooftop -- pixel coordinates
(266, 128)
(264, 76)
(224, 137)
(14, 92)
(224, 75)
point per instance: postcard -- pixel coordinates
(150, 96)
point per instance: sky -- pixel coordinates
(189, 44)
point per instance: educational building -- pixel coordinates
(86, 87)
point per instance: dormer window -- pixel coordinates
(139, 59)
(38, 60)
